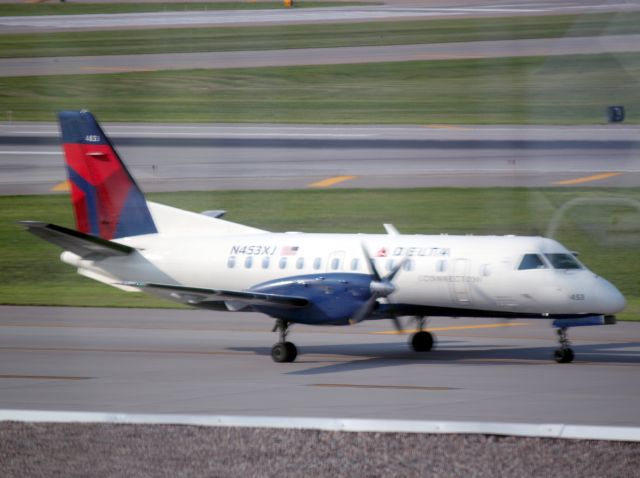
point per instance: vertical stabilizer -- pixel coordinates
(107, 202)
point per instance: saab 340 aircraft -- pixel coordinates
(316, 279)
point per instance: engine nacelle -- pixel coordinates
(334, 298)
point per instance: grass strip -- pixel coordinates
(608, 237)
(184, 40)
(135, 7)
(530, 90)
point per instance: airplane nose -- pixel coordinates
(610, 298)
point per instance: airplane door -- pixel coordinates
(460, 285)
(335, 263)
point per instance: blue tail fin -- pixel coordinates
(107, 202)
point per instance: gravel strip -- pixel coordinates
(99, 450)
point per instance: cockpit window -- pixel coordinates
(563, 261)
(531, 261)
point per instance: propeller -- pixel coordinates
(380, 287)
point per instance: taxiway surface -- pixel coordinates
(83, 65)
(213, 157)
(189, 361)
(393, 10)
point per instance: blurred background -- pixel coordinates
(445, 116)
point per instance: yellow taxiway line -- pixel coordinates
(325, 183)
(455, 327)
(64, 186)
(587, 179)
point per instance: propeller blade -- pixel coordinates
(380, 287)
(364, 311)
(370, 263)
(389, 277)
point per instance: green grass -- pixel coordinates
(179, 40)
(608, 237)
(530, 90)
(71, 8)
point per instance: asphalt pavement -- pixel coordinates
(75, 65)
(214, 157)
(199, 362)
(393, 10)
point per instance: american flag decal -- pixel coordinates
(289, 250)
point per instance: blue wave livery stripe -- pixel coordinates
(91, 199)
(135, 219)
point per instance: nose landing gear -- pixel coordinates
(283, 351)
(564, 354)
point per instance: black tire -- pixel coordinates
(284, 352)
(422, 342)
(279, 353)
(563, 355)
(292, 351)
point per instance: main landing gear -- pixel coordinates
(421, 341)
(283, 351)
(564, 354)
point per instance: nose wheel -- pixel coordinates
(283, 351)
(564, 354)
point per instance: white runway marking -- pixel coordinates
(551, 430)
(30, 153)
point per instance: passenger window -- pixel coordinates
(231, 262)
(265, 262)
(317, 263)
(485, 270)
(248, 262)
(531, 261)
(408, 265)
(563, 261)
(354, 264)
(283, 262)
(389, 264)
(441, 266)
(335, 264)
(300, 263)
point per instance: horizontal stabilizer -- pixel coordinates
(174, 221)
(77, 242)
(196, 296)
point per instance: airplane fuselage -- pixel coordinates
(474, 273)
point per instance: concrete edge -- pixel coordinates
(551, 430)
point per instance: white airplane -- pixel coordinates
(317, 279)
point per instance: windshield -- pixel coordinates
(563, 261)
(531, 261)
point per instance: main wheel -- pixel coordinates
(422, 341)
(279, 353)
(563, 355)
(292, 351)
(284, 352)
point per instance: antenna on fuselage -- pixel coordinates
(391, 230)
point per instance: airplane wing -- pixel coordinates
(77, 242)
(235, 300)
